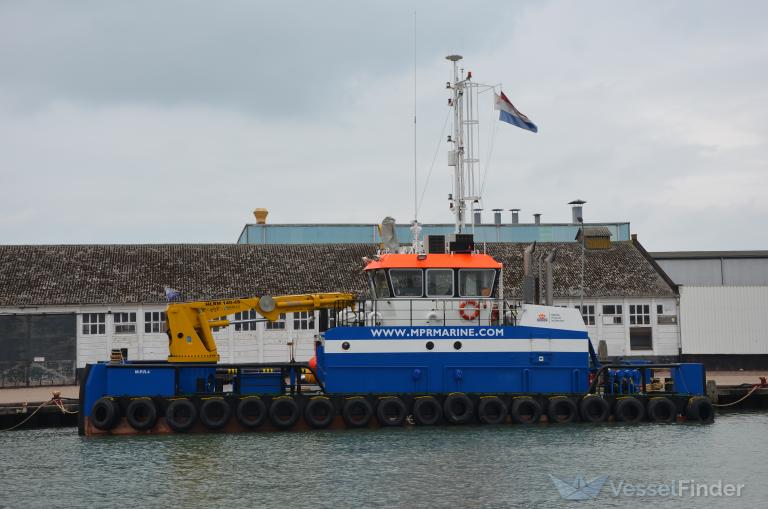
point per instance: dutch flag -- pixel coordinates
(509, 114)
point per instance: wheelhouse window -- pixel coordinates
(476, 282)
(407, 282)
(380, 285)
(439, 282)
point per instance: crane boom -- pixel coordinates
(190, 338)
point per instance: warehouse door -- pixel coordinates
(37, 349)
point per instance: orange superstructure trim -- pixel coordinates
(432, 261)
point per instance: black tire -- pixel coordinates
(284, 412)
(458, 408)
(319, 412)
(427, 411)
(391, 411)
(105, 413)
(629, 410)
(661, 409)
(594, 409)
(357, 412)
(215, 413)
(525, 410)
(181, 415)
(700, 409)
(141, 414)
(491, 410)
(251, 412)
(562, 410)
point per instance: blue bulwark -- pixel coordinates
(396, 360)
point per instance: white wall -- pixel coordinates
(260, 345)
(724, 319)
(666, 338)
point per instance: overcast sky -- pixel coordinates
(137, 122)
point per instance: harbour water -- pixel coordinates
(504, 466)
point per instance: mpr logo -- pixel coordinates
(578, 488)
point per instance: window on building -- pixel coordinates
(639, 314)
(154, 321)
(304, 320)
(278, 324)
(476, 282)
(439, 283)
(641, 338)
(94, 323)
(588, 313)
(406, 282)
(125, 323)
(247, 320)
(613, 314)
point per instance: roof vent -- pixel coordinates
(478, 217)
(497, 216)
(260, 215)
(537, 218)
(577, 211)
(515, 215)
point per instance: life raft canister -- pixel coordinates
(469, 310)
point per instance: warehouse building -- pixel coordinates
(64, 306)
(723, 306)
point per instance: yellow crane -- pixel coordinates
(190, 336)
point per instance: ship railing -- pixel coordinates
(468, 311)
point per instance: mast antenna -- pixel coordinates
(415, 158)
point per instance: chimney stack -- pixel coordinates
(537, 218)
(515, 216)
(478, 217)
(577, 211)
(497, 216)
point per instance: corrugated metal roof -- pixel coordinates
(114, 274)
(694, 255)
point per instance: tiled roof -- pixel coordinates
(115, 274)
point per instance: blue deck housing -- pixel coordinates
(487, 360)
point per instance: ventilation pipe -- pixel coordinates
(497, 216)
(537, 218)
(260, 215)
(515, 216)
(478, 217)
(577, 211)
(550, 298)
(529, 280)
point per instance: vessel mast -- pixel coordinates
(463, 156)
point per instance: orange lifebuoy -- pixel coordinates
(469, 315)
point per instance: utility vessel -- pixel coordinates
(434, 342)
